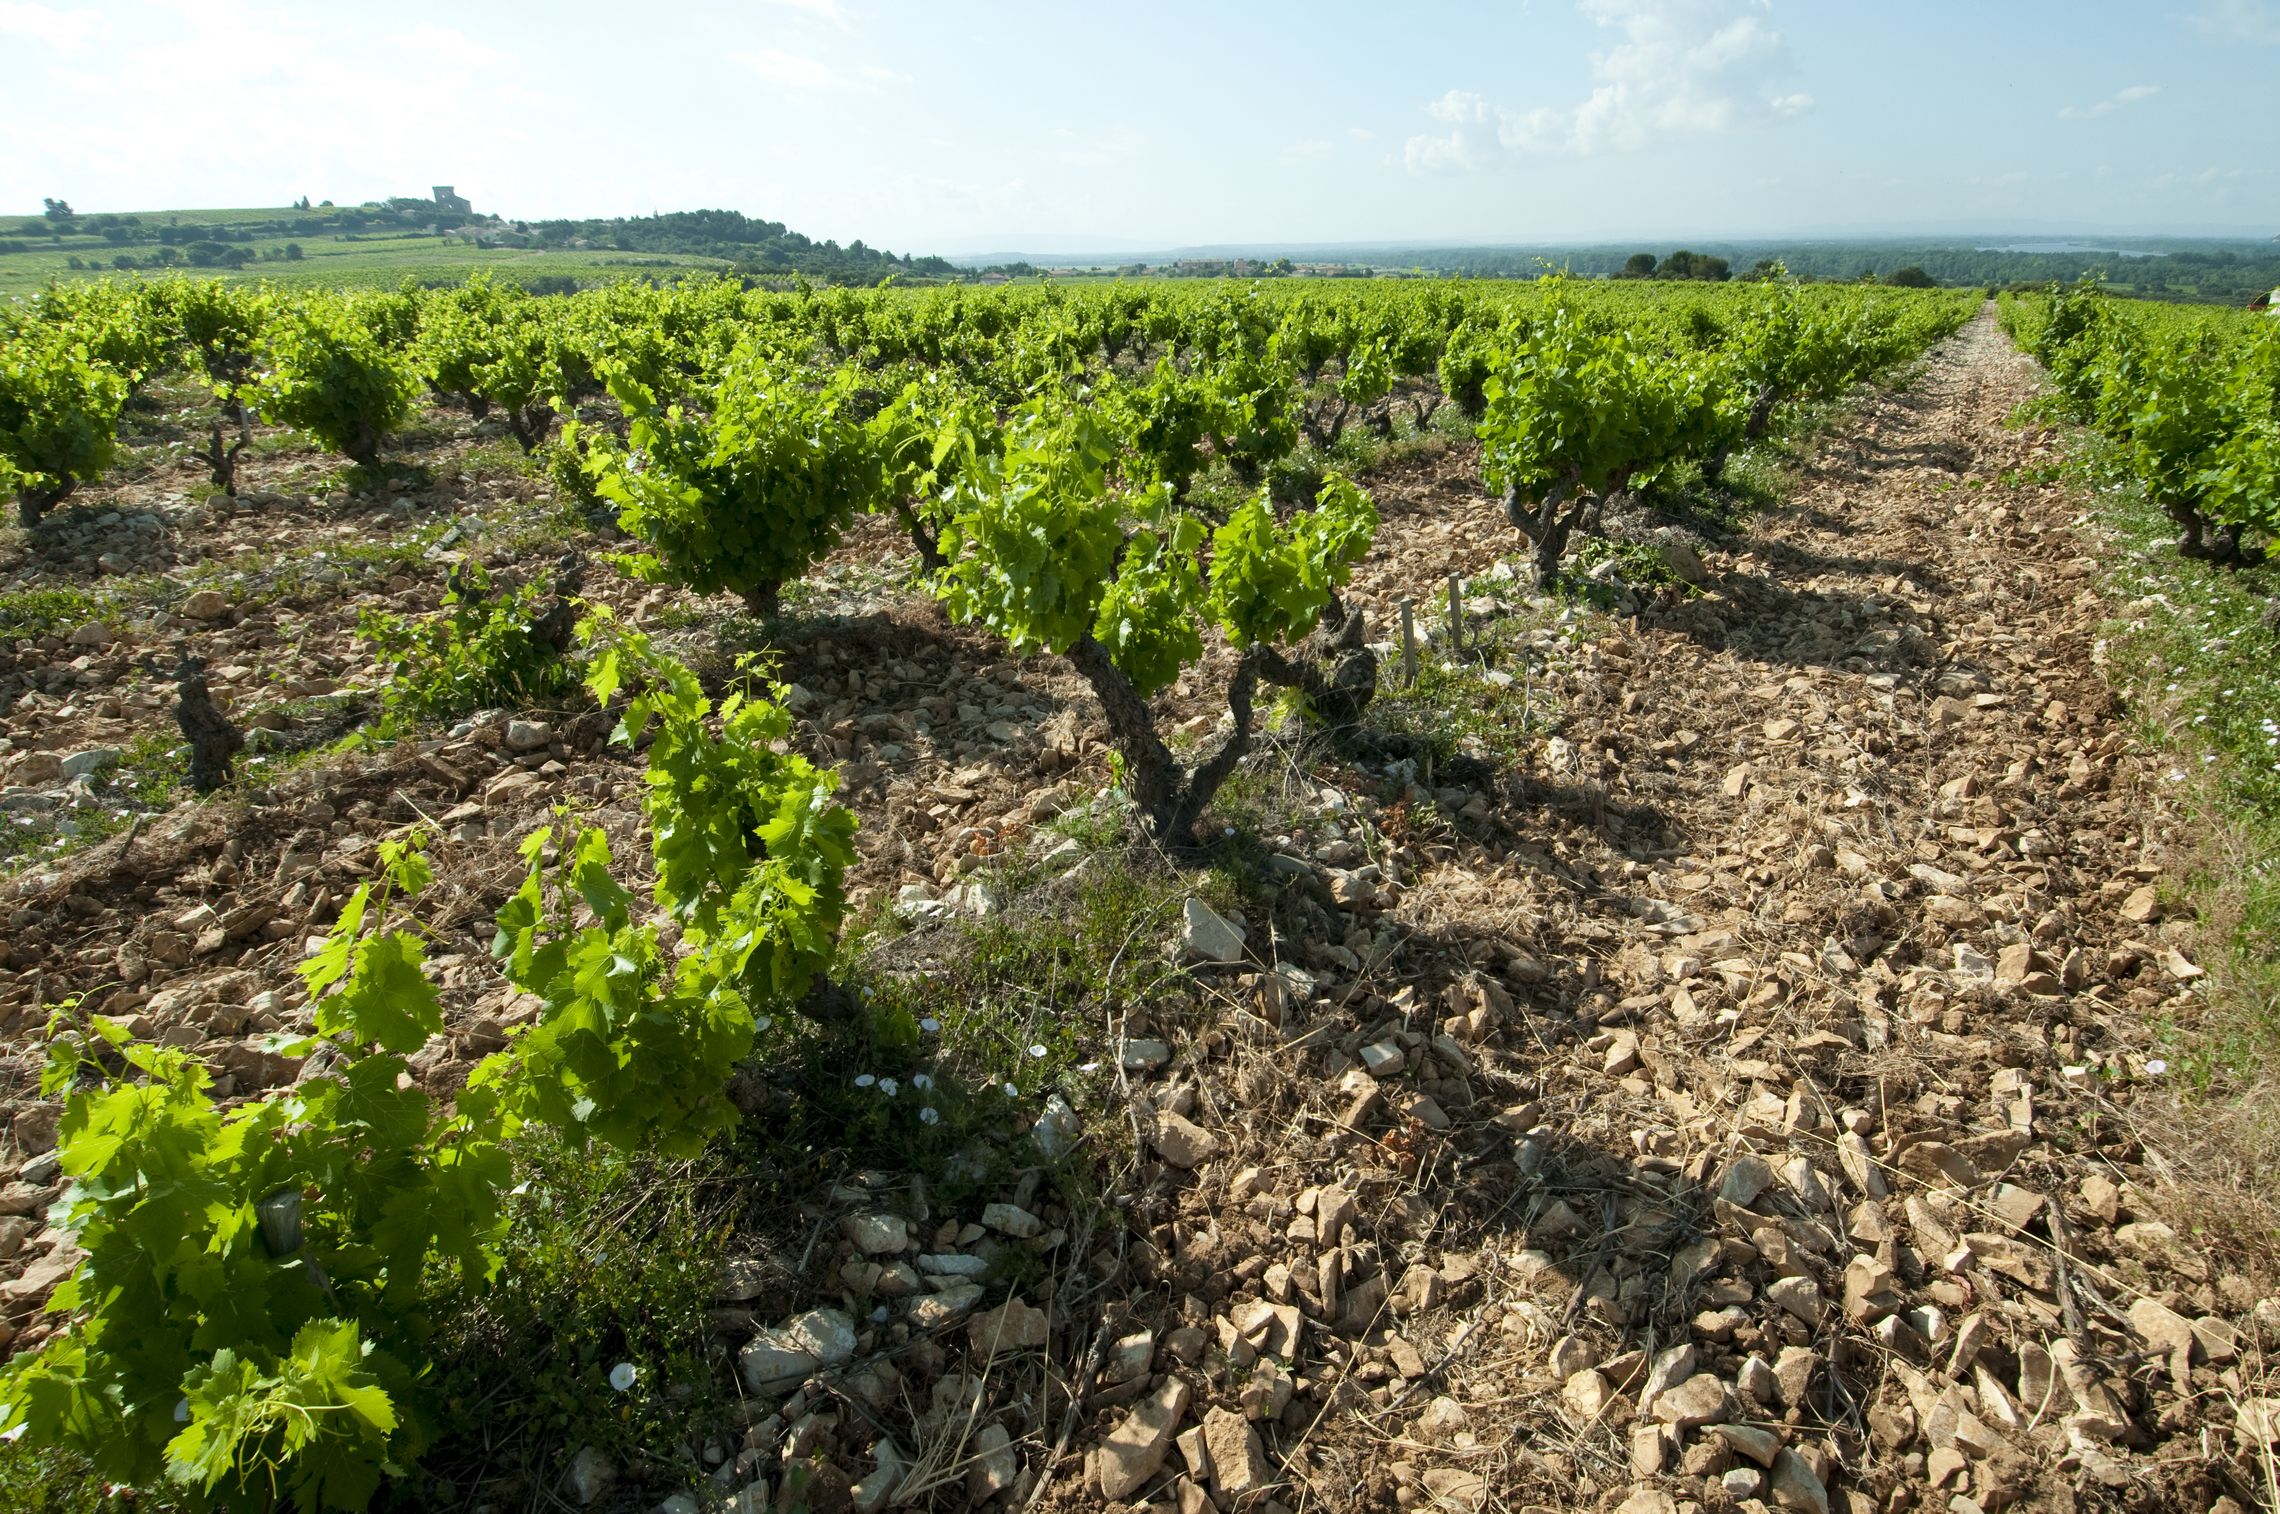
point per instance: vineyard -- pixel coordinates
(1312, 895)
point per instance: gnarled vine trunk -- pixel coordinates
(33, 501)
(529, 427)
(214, 742)
(1548, 525)
(1170, 798)
(1332, 669)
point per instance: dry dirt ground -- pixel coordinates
(1739, 1100)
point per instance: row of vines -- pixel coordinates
(2191, 398)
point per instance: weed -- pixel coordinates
(28, 613)
(1487, 705)
(147, 778)
(607, 1260)
(1005, 1012)
(38, 1480)
(482, 650)
(2198, 659)
(1629, 562)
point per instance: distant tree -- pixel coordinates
(1683, 264)
(293, 251)
(58, 210)
(1639, 265)
(1910, 277)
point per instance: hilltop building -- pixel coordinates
(449, 199)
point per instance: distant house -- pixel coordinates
(450, 199)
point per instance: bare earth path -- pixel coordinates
(1791, 1020)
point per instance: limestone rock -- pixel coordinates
(1208, 936)
(1238, 1460)
(1181, 1141)
(1011, 1326)
(1136, 1447)
(784, 1356)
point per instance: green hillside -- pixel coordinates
(383, 243)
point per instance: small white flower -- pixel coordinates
(622, 1376)
(929, 1116)
(1089, 1067)
(2156, 1066)
(922, 1080)
(1012, 1092)
(930, 1025)
(865, 1079)
(761, 1023)
(889, 1087)
(1037, 1051)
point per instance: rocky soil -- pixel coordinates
(1746, 1100)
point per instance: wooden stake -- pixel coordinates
(1408, 643)
(1456, 615)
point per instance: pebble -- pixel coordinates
(1013, 1220)
(1011, 1326)
(589, 1476)
(1135, 1449)
(207, 605)
(1209, 937)
(1182, 1142)
(782, 1357)
(877, 1234)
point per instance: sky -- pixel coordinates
(959, 127)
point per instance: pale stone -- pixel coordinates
(1238, 1460)
(1011, 1326)
(1208, 936)
(1136, 1447)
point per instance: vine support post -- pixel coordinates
(1456, 614)
(1408, 643)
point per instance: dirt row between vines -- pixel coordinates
(1755, 1102)
(1745, 1096)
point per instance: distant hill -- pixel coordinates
(753, 246)
(429, 240)
(2219, 270)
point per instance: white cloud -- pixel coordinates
(1683, 68)
(64, 30)
(822, 10)
(2252, 21)
(1119, 146)
(798, 71)
(364, 125)
(2113, 102)
(449, 47)
(791, 70)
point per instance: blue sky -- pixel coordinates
(965, 127)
